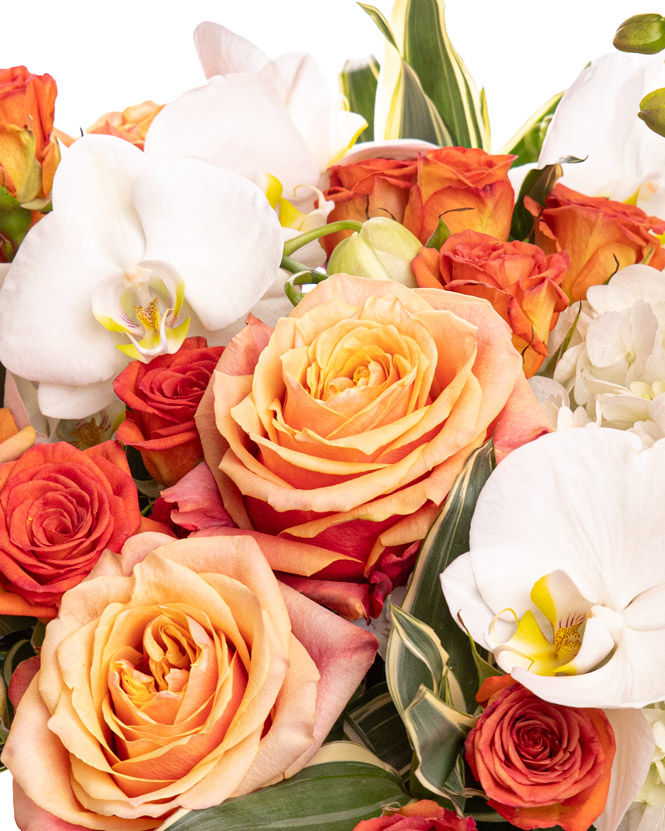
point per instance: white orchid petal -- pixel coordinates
(597, 644)
(395, 149)
(48, 289)
(94, 165)
(634, 751)
(76, 401)
(225, 240)
(226, 124)
(596, 121)
(647, 611)
(222, 52)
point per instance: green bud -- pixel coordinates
(644, 33)
(652, 111)
(382, 249)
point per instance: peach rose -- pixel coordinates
(179, 675)
(520, 281)
(131, 124)
(540, 764)
(346, 425)
(600, 236)
(59, 509)
(424, 815)
(29, 154)
(162, 397)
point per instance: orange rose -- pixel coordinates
(131, 124)
(13, 442)
(600, 236)
(29, 154)
(454, 178)
(162, 397)
(521, 283)
(179, 675)
(346, 425)
(368, 188)
(59, 509)
(424, 815)
(540, 764)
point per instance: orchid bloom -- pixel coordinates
(565, 577)
(261, 118)
(135, 255)
(597, 121)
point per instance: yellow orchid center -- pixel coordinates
(143, 303)
(551, 647)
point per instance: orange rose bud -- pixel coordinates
(600, 235)
(468, 187)
(131, 124)
(521, 282)
(163, 396)
(540, 764)
(29, 153)
(369, 188)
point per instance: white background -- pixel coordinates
(107, 56)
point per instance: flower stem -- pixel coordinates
(297, 242)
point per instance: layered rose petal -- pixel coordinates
(346, 427)
(59, 509)
(182, 682)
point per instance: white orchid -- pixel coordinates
(597, 121)
(565, 577)
(263, 119)
(615, 364)
(133, 250)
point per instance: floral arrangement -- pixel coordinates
(331, 449)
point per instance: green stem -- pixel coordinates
(289, 264)
(298, 242)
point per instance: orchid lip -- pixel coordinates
(143, 303)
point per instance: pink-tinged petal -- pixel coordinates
(522, 420)
(222, 52)
(226, 122)
(634, 752)
(30, 817)
(196, 501)
(21, 678)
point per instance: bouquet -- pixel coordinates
(331, 447)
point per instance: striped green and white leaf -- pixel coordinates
(437, 733)
(528, 140)
(358, 80)
(417, 38)
(373, 721)
(325, 796)
(402, 108)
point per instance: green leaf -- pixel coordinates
(537, 184)
(528, 140)
(447, 539)
(420, 26)
(402, 107)
(358, 80)
(15, 623)
(332, 796)
(437, 733)
(374, 722)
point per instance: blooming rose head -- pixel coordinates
(346, 425)
(521, 283)
(59, 509)
(162, 397)
(29, 154)
(423, 815)
(600, 235)
(540, 764)
(191, 678)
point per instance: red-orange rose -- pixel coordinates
(59, 509)
(424, 815)
(162, 397)
(540, 764)
(600, 236)
(346, 425)
(29, 153)
(520, 281)
(368, 188)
